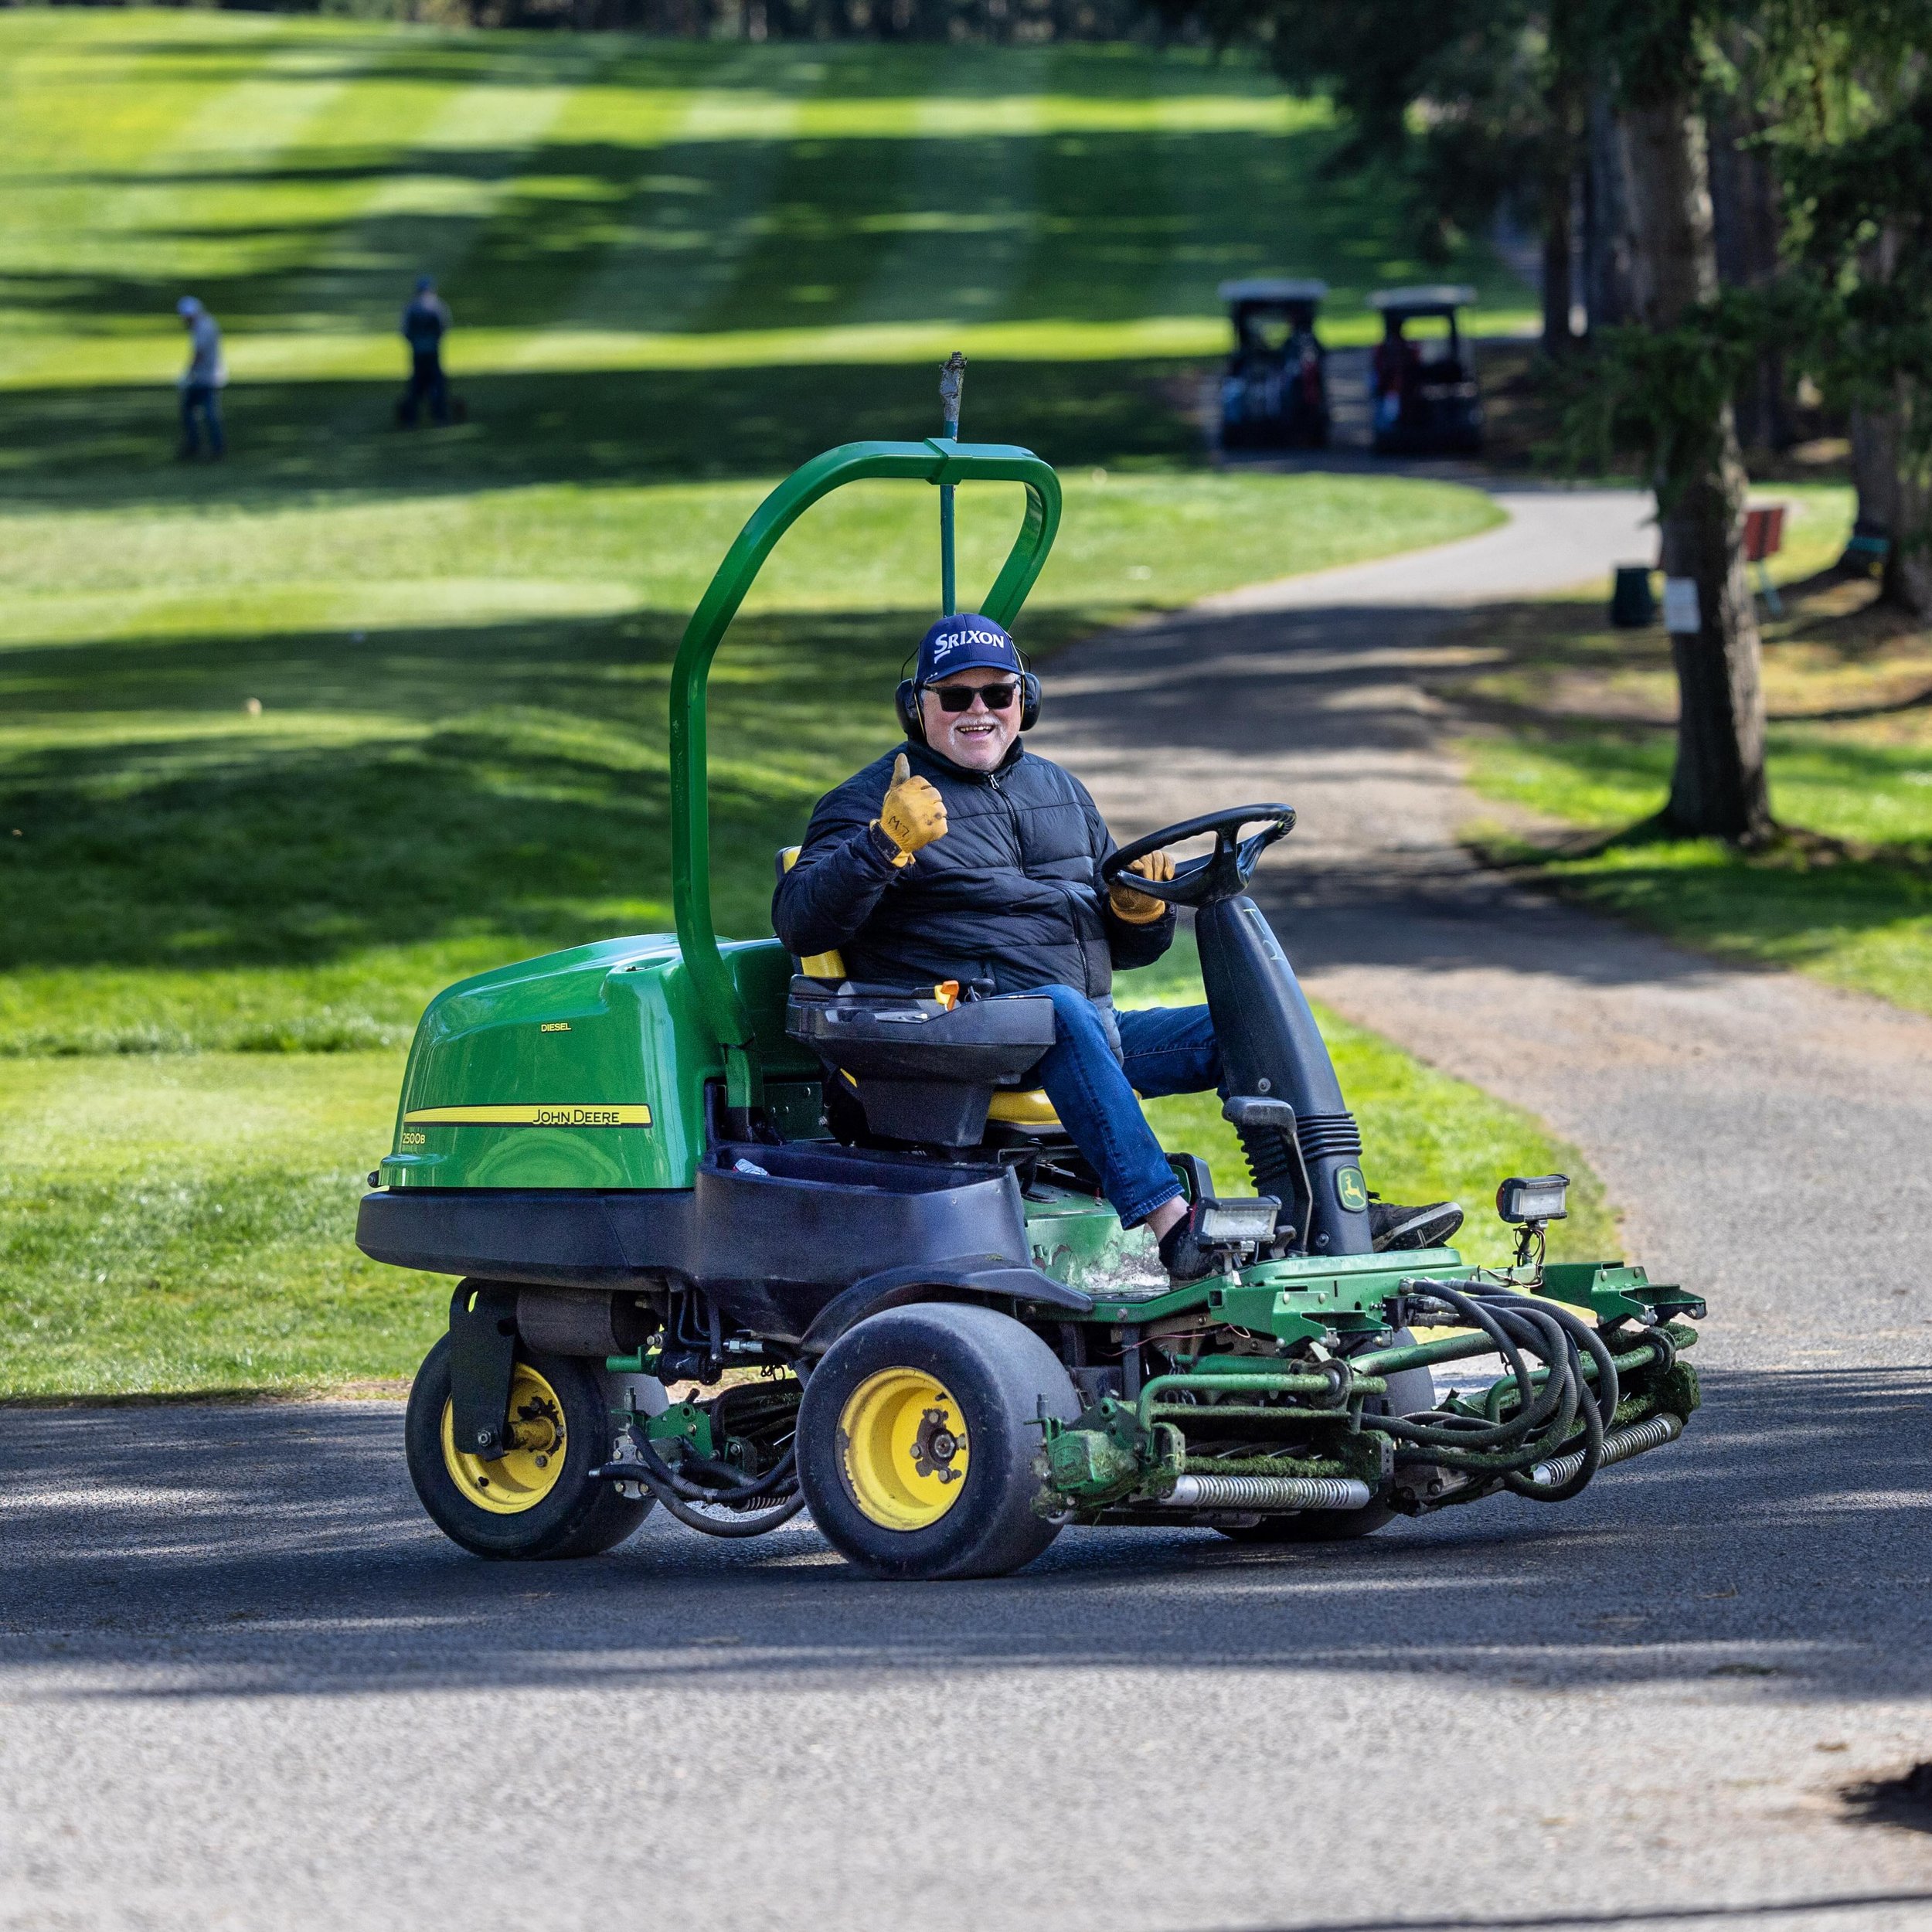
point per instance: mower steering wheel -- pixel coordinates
(1222, 872)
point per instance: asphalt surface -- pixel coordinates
(243, 1682)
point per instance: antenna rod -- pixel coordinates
(952, 379)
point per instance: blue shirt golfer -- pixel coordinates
(201, 383)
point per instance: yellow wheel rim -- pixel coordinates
(902, 1440)
(520, 1478)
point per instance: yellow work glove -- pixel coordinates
(914, 814)
(1140, 909)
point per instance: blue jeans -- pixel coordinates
(202, 396)
(1163, 1049)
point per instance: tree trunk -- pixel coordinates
(1747, 229)
(1875, 473)
(1908, 564)
(1889, 465)
(1607, 296)
(1557, 293)
(1718, 787)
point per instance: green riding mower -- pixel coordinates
(838, 1215)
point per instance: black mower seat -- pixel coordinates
(1007, 1105)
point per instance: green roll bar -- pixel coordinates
(938, 461)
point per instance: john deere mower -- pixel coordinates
(840, 1218)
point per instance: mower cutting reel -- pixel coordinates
(735, 1237)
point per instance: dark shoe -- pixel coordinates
(1182, 1253)
(1391, 1226)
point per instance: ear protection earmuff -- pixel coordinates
(905, 701)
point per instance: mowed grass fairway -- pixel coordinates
(593, 202)
(287, 744)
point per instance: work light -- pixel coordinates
(1540, 1199)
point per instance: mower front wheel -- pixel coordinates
(537, 1501)
(916, 1437)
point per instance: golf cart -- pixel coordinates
(1422, 376)
(1274, 393)
(844, 1216)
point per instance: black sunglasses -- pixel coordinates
(959, 697)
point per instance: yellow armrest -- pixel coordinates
(830, 965)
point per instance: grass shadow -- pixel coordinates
(113, 448)
(523, 791)
(410, 805)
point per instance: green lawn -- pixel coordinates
(288, 744)
(599, 203)
(1580, 732)
(182, 1223)
(448, 769)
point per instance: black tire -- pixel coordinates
(573, 1517)
(998, 1374)
(1409, 1392)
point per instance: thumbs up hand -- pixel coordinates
(914, 814)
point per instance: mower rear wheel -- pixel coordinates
(916, 1437)
(537, 1501)
(1409, 1392)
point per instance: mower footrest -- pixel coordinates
(1619, 1445)
(1269, 1492)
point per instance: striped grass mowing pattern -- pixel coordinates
(287, 744)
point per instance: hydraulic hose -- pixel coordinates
(731, 1488)
(677, 1493)
(1550, 1402)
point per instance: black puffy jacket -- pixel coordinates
(1011, 894)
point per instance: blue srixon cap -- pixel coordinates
(965, 643)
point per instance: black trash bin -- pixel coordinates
(1632, 605)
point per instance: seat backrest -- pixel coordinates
(830, 965)
(1026, 1109)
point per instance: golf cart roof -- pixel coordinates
(1436, 298)
(1273, 289)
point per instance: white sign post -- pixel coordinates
(1683, 616)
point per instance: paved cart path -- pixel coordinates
(243, 1683)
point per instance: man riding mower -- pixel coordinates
(878, 1189)
(1009, 903)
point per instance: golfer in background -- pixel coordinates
(425, 322)
(202, 381)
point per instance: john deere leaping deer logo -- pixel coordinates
(1350, 1189)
